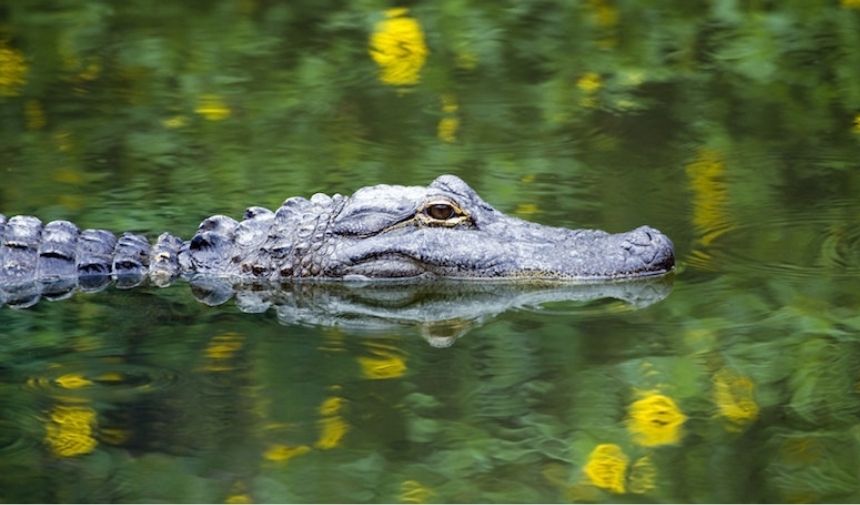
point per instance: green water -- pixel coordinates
(732, 127)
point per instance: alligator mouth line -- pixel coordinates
(562, 278)
(418, 269)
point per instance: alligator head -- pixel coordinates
(447, 230)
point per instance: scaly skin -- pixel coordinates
(444, 230)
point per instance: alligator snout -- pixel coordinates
(649, 247)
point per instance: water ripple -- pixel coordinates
(101, 380)
(16, 437)
(801, 244)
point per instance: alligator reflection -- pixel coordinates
(443, 311)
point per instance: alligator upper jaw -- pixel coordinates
(515, 251)
(587, 255)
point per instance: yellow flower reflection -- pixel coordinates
(603, 13)
(13, 70)
(710, 195)
(655, 420)
(213, 108)
(64, 141)
(331, 406)
(177, 121)
(385, 365)
(239, 494)
(466, 59)
(283, 453)
(224, 346)
(332, 426)
(446, 131)
(73, 381)
(643, 476)
(90, 72)
(590, 83)
(734, 397)
(34, 115)
(412, 491)
(606, 467)
(397, 46)
(69, 432)
(332, 431)
(526, 209)
(221, 350)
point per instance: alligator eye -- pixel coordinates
(441, 211)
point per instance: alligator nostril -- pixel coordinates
(199, 242)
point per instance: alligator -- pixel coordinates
(441, 231)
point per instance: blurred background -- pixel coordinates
(733, 126)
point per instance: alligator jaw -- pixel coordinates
(495, 246)
(543, 253)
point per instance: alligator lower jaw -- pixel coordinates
(553, 277)
(400, 266)
(524, 276)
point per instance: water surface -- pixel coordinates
(734, 129)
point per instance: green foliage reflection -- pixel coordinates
(733, 126)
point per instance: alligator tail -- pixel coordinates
(53, 260)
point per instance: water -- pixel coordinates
(734, 131)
